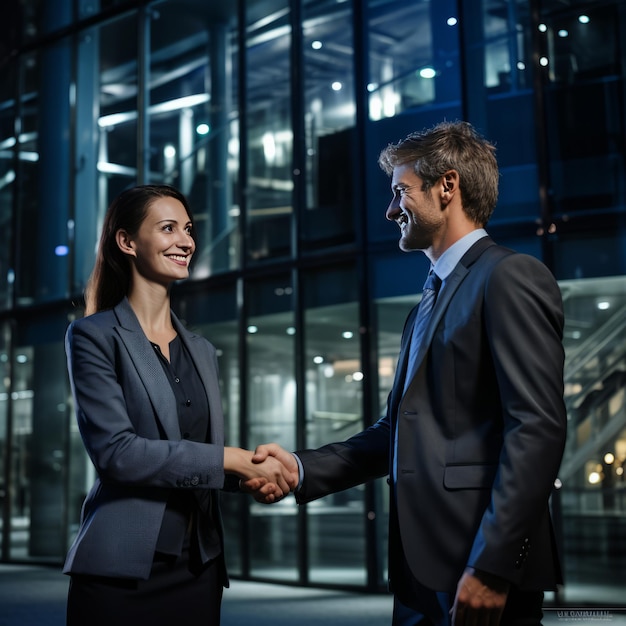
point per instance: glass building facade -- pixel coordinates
(269, 115)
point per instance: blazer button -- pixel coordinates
(195, 481)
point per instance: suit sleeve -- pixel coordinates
(339, 466)
(523, 320)
(119, 453)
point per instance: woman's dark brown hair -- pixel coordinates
(110, 280)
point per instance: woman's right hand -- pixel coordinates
(272, 480)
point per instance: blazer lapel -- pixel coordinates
(150, 370)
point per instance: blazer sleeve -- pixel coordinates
(129, 449)
(523, 320)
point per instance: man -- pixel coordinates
(475, 425)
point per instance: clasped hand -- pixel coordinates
(268, 475)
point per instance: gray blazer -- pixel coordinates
(481, 430)
(127, 417)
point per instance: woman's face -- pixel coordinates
(163, 246)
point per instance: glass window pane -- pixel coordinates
(269, 126)
(334, 399)
(5, 371)
(117, 121)
(585, 68)
(7, 192)
(413, 49)
(40, 410)
(271, 417)
(329, 120)
(194, 123)
(593, 494)
(506, 37)
(27, 176)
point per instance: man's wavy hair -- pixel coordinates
(451, 146)
(110, 279)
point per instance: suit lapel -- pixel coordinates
(446, 294)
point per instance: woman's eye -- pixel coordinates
(168, 228)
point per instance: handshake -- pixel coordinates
(268, 474)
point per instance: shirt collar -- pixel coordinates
(450, 258)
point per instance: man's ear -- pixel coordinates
(449, 186)
(125, 242)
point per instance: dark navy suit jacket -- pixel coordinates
(127, 417)
(481, 430)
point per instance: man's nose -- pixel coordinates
(393, 210)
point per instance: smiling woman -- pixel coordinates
(150, 545)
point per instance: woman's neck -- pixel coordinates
(152, 308)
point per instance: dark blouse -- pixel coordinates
(193, 417)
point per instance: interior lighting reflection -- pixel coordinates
(347, 334)
(603, 305)
(253, 329)
(169, 151)
(609, 458)
(542, 28)
(427, 72)
(543, 61)
(358, 376)
(594, 478)
(290, 330)
(318, 360)
(452, 21)
(336, 86)
(583, 19)
(203, 129)
(61, 251)
(316, 45)
(563, 33)
(269, 147)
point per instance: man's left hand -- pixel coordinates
(479, 600)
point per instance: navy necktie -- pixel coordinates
(429, 295)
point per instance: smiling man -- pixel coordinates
(475, 425)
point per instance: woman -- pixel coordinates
(149, 549)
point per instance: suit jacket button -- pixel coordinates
(195, 481)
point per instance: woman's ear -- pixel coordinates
(125, 242)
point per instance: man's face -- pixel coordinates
(418, 213)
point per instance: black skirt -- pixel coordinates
(177, 592)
